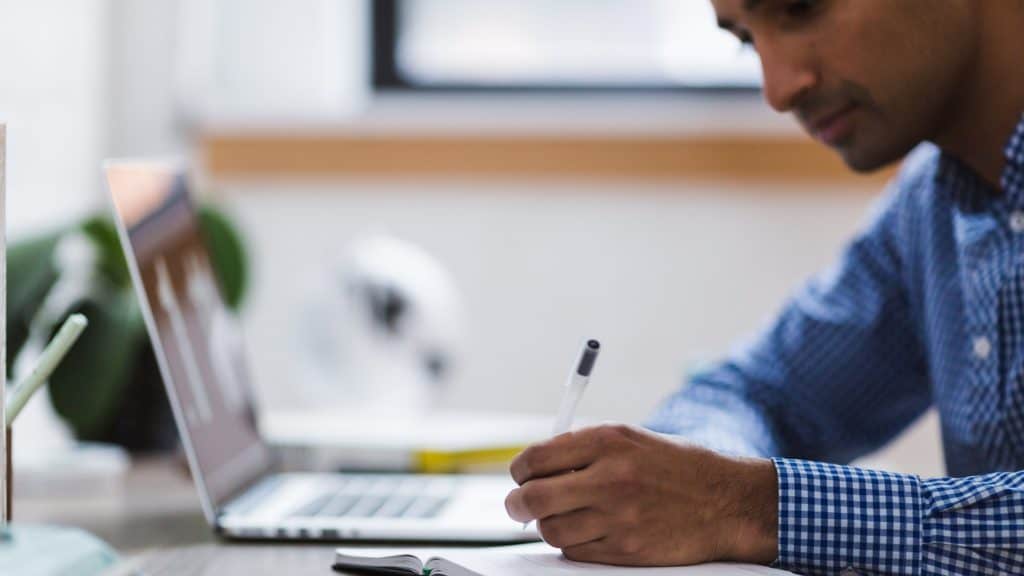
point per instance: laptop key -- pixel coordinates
(312, 507)
(435, 508)
(386, 497)
(339, 505)
(396, 506)
(366, 506)
(426, 507)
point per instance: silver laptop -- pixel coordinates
(201, 361)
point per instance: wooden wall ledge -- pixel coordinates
(782, 159)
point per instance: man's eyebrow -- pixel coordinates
(748, 6)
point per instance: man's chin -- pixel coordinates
(864, 161)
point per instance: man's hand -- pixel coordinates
(619, 495)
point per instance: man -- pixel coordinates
(925, 307)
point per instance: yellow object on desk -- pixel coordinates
(434, 441)
(476, 460)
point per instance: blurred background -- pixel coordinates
(570, 170)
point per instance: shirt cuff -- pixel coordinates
(833, 518)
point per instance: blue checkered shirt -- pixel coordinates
(924, 308)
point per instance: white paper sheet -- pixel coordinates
(539, 559)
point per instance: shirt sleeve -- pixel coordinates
(838, 373)
(834, 518)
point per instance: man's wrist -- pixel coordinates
(752, 513)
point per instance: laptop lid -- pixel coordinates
(195, 339)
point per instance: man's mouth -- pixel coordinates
(833, 127)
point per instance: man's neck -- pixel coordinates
(984, 116)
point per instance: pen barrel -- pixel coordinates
(570, 399)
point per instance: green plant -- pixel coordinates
(108, 388)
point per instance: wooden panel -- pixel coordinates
(731, 158)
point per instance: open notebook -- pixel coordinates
(537, 559)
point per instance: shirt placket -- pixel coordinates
(1009, 209)
(1012, 319)
(981, 298)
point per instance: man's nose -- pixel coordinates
(788, 76)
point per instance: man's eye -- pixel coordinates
(800, 8)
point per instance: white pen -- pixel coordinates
(575, 385)
(573, 390)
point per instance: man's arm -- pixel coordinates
(837, 374)
(619, 495)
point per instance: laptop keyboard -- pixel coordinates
(379, 497)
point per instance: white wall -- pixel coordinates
(178, 66)
(53, 93)
(146, 116)
(267, 60)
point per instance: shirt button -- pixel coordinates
(982, 347)
(1017, 221)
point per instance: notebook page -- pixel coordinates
(540, 559)
(398, 562)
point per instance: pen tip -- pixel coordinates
(587, 359)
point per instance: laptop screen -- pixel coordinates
(196, 340)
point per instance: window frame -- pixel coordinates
(385, 29)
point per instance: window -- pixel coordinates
(540, 44)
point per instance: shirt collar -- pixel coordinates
(1013, 174)
(971, 192)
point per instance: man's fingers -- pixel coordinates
(573, 528)
(593, 551)
(618, 549)
(569, 451)
(543, 497)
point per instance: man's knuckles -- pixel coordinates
(621, 478)
(542, 459)
(608, 436)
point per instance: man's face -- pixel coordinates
(870, 78)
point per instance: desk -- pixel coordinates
(157, 524)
